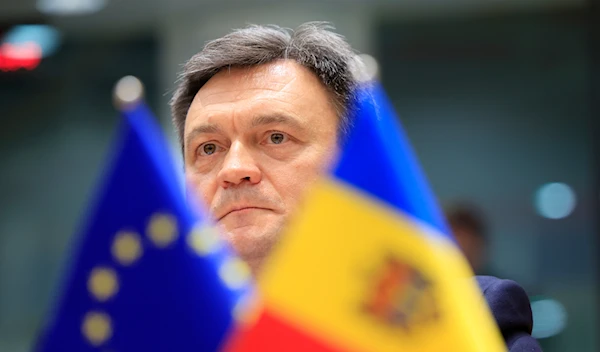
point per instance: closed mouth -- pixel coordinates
(240, 209)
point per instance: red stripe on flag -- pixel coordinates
(273, 333)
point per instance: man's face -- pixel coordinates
(254, 140)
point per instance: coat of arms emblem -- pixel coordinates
(400, 295)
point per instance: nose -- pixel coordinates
(239, 166)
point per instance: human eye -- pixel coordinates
(208, 149)
(276, 137)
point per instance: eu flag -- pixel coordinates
(146, 273)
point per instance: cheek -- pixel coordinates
(292, 179)
(202, 186)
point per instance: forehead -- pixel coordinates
(276, 76)
(282, 84)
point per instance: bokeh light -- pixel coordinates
(549, 318)
(70, 7)
(555, 200)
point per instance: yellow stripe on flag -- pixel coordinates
(357, 274)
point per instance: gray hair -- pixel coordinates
(312, 44)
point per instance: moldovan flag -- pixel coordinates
(368, 263)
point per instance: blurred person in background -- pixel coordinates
(259, 114)
(469, 228)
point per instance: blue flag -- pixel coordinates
(378, 159)
(146, 274)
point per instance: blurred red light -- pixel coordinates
(23, 55)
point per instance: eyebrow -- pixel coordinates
(202, 129)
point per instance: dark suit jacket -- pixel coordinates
(511, 309)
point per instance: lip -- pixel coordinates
(239, 208)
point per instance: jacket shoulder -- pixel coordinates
(511, 309)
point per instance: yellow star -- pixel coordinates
(96, 328)
(103, 283)
(126, 247)
(162, 229)
(204, 240)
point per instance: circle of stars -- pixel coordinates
(127, 249)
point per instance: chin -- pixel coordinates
(252, 243)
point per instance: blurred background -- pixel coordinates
(498, 97)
